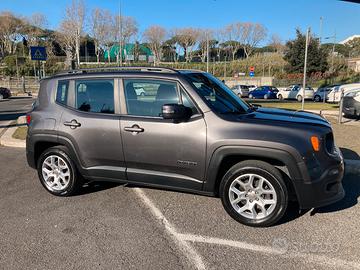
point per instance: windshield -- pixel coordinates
(216, 94)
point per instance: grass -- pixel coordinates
(297, 105)
(20, 133)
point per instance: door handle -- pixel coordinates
(72, 124)
(134, 129)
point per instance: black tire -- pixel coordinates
(317, 98)
(262, 169)
(75, 179)
(280, 97)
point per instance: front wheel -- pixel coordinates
(266, 96)
(280, 97)
(317, 98)
(254, 193)
(299, 98)
(251, 96)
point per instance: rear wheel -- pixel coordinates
(280, 97)
(299, 98)
(251, 96)
(266, 96)
(1, 96)
(317, 98)
(57, 172)
(254, 193)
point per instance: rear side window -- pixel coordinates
(95, 96)
(62, 92)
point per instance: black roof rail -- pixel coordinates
(99, 69)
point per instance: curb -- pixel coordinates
(7, 140)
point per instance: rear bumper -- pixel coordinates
(325, 190)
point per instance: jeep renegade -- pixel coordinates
(187, 132)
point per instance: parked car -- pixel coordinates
(241, 90)
(335, 94)
(296, 92)
(194, 135)
(4, 93)
(351, 103)
(252, 87)
(265, 92)
(323, 92)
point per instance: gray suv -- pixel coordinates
(188, 132)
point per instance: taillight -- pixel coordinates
(28, 119)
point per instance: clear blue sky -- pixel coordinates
(279, 16)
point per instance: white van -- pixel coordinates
(335, 94)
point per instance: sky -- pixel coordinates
(278, 16)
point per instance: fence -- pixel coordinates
(16, 85)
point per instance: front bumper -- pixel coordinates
(324, 190)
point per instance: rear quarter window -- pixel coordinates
(62, 92)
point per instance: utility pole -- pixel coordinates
(120, 30)
(207, 52)
(305, 64)
(321, 27)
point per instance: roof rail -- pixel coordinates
(99, 69)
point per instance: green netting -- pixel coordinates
(128, 49)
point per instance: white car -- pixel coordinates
(140, 91)
(241, 90)
(335, 94)
(295, 92)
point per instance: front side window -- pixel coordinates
(216, 94)
(146, 97)
(95, 96)
(62, 92)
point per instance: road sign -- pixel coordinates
(38, 53)
(252, 73)
(252, 69)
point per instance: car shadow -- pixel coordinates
(93, 187)
(351, 184)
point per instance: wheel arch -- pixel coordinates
(225, 157)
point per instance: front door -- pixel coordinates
(159, 151)
(90, 124)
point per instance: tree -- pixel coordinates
(67, 41)
(295, 55)
(354, 46)
(155, 36)
(73, 24)
(124, 28)
(10, 28)
(234, 34)
(187, 39)
(205, 38)
(100, 26)
(251, 35)
(276, 43)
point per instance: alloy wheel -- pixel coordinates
(56, 173)
(252, 196)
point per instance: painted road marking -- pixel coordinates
(185, 247)
(182, 240)
(318, 259)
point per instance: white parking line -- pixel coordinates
(318, 259)
(185, 247)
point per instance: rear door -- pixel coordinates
(90, 123)
(159, 151)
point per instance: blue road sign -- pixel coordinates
(38, 53)
(252, 73)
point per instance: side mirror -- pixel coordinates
(176, 112)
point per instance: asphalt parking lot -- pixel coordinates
(112, 226)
